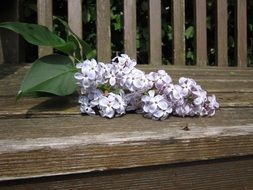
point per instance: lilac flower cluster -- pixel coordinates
(114, 88)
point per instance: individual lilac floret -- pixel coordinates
(111, 105)
(133, 101)
(156, 106)
(211, 105)
(159, 79)
(123, 65)
(134, 81)
(91, 74)
(85, 106)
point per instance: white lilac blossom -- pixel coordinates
(156, 106)
(114, 88)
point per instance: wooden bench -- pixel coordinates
(46, 144)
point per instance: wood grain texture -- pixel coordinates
(213, 79)
(130, 28)
(66, 106)
(241, 33)
(103, 30)
(221, 40)
(79, 144)
(45, 18)
(155, 42)
(48, 137)
(75, 17)
(200, 32)
(178, 26)
(205, 175)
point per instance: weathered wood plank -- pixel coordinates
(45, 18)
(221, 53)
(155, 42)
(53, 146)
(201, 32)
(75, 17)
(216, 174)
(66, 106)
(103, 30)
(178, 26)
(130, 28)
(213, 79)
(241, 33)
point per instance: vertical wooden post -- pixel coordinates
(75, 17)
(241, 33)
(103, 30)
(221, 33)
(155, 46)
(12, 44)
(200, 32)
(45, 18)
(178, 25)
(130, 28)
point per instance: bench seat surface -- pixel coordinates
(46, 142)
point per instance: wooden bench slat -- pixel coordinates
(67, 106)
(155, 42)
(201, 32)
(103, 30)
(212, 79)
(221, 39)
(217, 174)
(45, 18)
(130, 28)
(208, 175)
(63, 145)
(241, 33)
(75, 17)
(178, 26)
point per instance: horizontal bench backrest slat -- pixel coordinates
(103, 23)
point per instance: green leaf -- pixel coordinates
(189, 33)
(39, 35)
(52, 74)
(82, 48)
(34, 34)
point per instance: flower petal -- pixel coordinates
(151, 93)
(163, 104)
(103, 102)
(158, 113)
